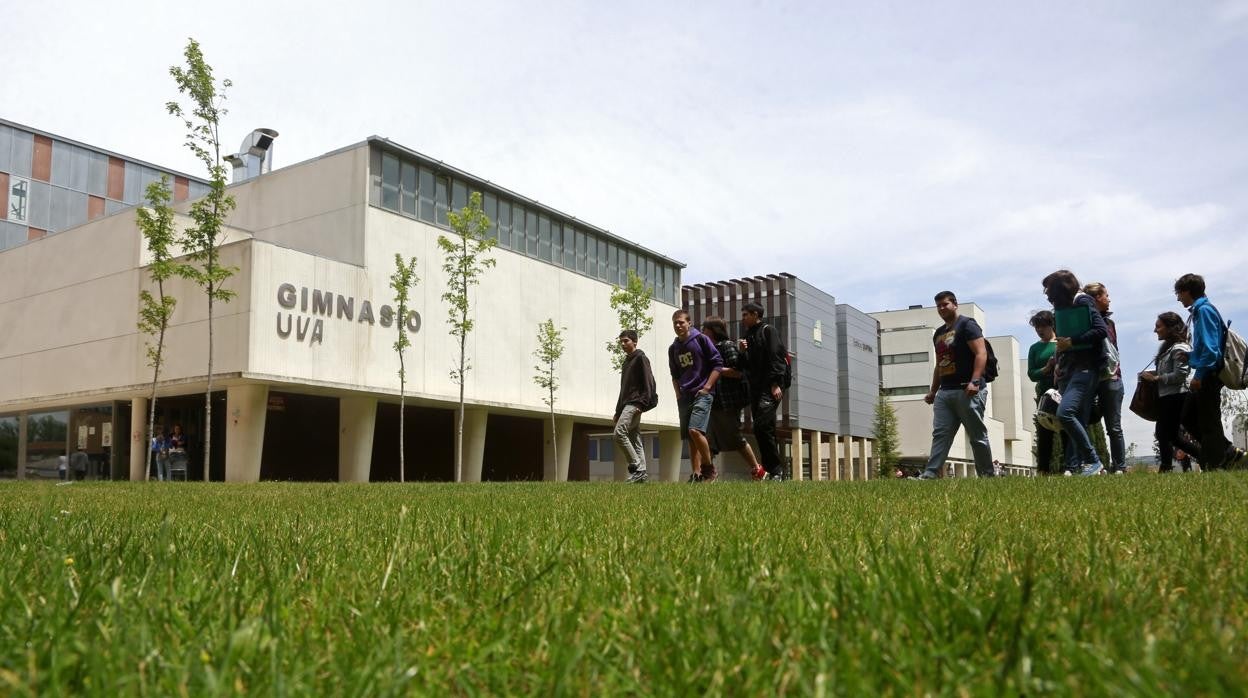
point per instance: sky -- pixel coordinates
(882, 151)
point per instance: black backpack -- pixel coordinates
(991, 368)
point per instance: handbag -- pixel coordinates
(1144, 402)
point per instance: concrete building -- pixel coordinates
(907, 358)
(304, 365)
(827, 413)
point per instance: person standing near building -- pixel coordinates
(638, 394)
(1040, 371)
(1171, 378)
(732, 394)
(160, 454)
(1081, 336)
(766, 364)
(1202, 412)
(695, 365)
(958, 392)
(1109, 390)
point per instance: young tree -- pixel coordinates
(401, 281)
(549, 351)
(156, 223)
(464, 261)
(887, 445)
(202, 241)
(631, 303)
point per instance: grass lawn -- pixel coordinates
(1132, 585)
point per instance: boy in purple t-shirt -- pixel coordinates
(695, 364)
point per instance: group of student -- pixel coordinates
(169, 453)
(714, 379)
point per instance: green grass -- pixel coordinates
(1126, 586)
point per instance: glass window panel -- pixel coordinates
(593, 449)
(669, 282)
(441, 199)
(591, 256)
(62, 159)
(613, 263)
(146, 176)
(649, 273)
(569, 247)
(602, 259)
(580, 251)
(660, 285)
(133, 192)
(6, 147)
(519, 241)
(543, 238)
(21, 153)
(530, 229)
(426, 195)
(490, 202)
(556, 242)
(79, 166)
(39, 211)
(407, 189)
(47, 435)
(504, 223)
(97, 175)
(8, 447)
(459, 195)
(76, 213)
(389, 182)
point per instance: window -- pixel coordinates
(649, 274)
(915, 358)
(907, 390)
(19, 199)
(543, 238)
(441, 199)
(504, 223)
(459, 195)
(389, 182)
(654, 448)
(518, 236)
(530, 230)
(593, 449)
(631, 265)
(613, 263)
(569, 247)
(556, 242)
(603, 250)
(606, 450)
(426, 195)
(580, 251)
(490, 203)
(660, 282)
(407, 189)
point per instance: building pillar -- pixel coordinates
(21, 446)
(862, 459)
(357, 417)
(670, 445)
(834, 457)
(795, 453)
(816, 456)
(848, 443)
(553, 471)
(139, 445)
(246, 407)
(475, 421)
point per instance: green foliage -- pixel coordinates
(887, 444)
(155, 222)
(631, 304)
(401, 282)
(1096, 432)
(464, 261)
(1019, 586)
(549, 351)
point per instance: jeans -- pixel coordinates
(763, 411)
(628, 438)
(953, 408)
(1202, 418)
(1109, 395)
(1078, 389)
(162, 465)
(1169, 414)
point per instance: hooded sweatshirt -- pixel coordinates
(636, 382)
(692, 361)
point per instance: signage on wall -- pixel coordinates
(305, 311)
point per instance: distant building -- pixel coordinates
(907, 358)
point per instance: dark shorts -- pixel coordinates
(695, 413)
(725, 431)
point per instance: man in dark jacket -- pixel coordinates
(765, 363)
(637, 395)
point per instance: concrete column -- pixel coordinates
(834, 457)
(795, 454)
(357, 417)
(139, 444)
(816, 456)
(246, 407)
(552, 471)
(21, 446)
(669, 455)
(475, 421)
(848, 443)
(862, 458)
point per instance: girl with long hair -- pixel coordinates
(1172, 376)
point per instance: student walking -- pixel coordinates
(732, 395)
(695, 365)
(1081, 336)
(1171, 377)
(766, 365)
(638, 394)
(1109, 390)
(1202, 411)
(958, 392)
(1040, 371)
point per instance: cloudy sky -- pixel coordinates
(882, 151)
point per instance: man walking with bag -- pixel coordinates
(1202, 414)
(766, 368)
(637, 395)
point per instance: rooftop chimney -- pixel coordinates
(255, 155)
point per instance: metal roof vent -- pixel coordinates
(255, 155)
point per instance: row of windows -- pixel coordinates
(907, 390)
(915, 358)
(422, 193)
(603, 448)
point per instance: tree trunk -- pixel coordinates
(402, 389)
(459, 425)
(554, 435)
(208, 395)
(151, 401)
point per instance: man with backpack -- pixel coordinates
(637, 395)
(959, 388)
(695, 364)
(767, 369)
(1202, 413)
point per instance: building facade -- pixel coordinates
(907, 358)
(305, 373)
(824, 419)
